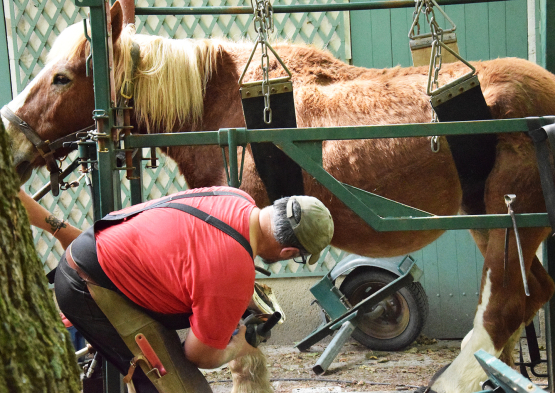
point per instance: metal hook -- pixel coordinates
(509, 199)
(89, 57)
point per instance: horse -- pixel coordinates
(192, 85)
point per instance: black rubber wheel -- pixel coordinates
(395, 322)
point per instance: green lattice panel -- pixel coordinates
(34, 27)
(329, 257)
(74, 205)
(322, 29)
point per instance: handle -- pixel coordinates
(149, 353)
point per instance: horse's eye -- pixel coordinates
(60, 79)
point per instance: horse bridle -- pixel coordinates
(45, 148)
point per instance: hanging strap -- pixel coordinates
(111, 219)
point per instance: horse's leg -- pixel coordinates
(507, 353)
(501, 310)
(250, 374)
(480, 237)
(541, 287)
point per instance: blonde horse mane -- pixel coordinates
(170, 79)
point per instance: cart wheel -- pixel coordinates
(395, 322)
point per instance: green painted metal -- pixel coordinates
(334, 133)
(503, 376)
(329, 297)
(409, 271)
(135, 186)
(366, 5)
(547, 34)
(233, 163)
(5, 83)
(549, 308)
(103, 104)
(378, 212)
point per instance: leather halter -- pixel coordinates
(45, 148)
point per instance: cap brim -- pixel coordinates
(313, 259)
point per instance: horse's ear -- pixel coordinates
(116, 14)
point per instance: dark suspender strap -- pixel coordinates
(540, 136)
(166, 202)
(215, 222)
(121, 216)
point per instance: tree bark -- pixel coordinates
(36, 353)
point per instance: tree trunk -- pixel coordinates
(36, 354)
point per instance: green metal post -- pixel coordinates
(232, 148)
(547, 60)
(547, 34)
(104, 123)
(103, 104)
(549, 308)
(5, 81)
(135, 183)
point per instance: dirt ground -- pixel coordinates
(355, 369)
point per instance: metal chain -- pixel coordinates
(437, 37)
(264, 24)
(415, 18)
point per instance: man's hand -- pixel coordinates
(205, 356)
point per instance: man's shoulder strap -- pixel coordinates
(111, 219)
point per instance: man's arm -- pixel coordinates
(43, 219)
(205, 356)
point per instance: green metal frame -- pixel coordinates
(304, 146)
(364, 5)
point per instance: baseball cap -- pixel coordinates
(315, 228)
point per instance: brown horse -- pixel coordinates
(203, 95)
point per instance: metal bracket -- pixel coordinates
(509, 199)
(503, 376)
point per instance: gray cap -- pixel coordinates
(315, 228)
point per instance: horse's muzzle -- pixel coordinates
(24, 171)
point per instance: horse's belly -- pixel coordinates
(404, 170)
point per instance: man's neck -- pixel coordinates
(254, 230)
(261, 233)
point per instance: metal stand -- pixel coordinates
(343, 316)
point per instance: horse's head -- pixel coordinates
(57, 102)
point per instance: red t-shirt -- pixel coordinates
(171, 262)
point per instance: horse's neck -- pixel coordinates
(203, 166)
(222, 103)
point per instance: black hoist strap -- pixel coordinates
(112, 219)
(540, 136)
(474, 155)
(280, 174)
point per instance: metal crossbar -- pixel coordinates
(287, 9)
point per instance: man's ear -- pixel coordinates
(116, 14)
(288, 253)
